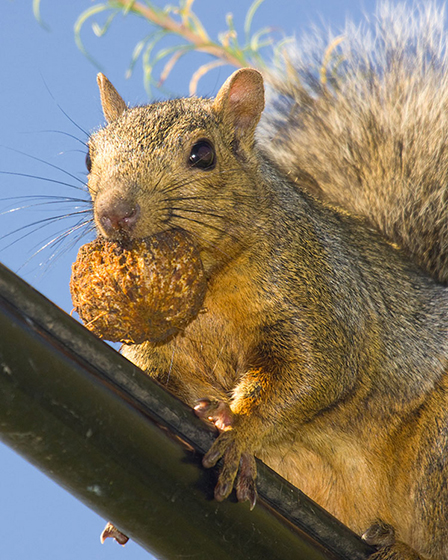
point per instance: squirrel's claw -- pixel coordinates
(246, 489)
(237, 465)
(226, 447)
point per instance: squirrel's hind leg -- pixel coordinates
(398, 551)
(383, 535)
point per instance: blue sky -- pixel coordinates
(41, 69)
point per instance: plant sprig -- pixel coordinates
(182, 22)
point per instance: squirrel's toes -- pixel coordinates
(111, 532)
(215, 411)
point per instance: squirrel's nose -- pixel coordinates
(117, 216)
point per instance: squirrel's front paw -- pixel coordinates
(215, 411)
(238, 465)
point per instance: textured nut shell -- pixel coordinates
(148, 289)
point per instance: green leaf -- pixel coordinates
(146, 60)
(36, 12)
(250, 16)
(79, 23)
(176, 56)
(169, 50)
(231, 34)
(136, 54)
(102, 30)
(128, 8)
(255, 45)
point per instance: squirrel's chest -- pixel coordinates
(216, 349)
(211, 356)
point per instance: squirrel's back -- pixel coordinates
(361, 120)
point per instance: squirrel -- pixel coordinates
(322, 347)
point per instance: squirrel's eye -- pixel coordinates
(88, 162)
(202, 155)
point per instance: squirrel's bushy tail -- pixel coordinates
(362, 121)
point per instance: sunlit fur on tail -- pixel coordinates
(361, 119)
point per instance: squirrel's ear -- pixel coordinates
(240, 101)
(111, 101)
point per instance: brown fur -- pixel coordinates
(327, 344)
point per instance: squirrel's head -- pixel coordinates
(186, 163)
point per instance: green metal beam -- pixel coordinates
(132, 452)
